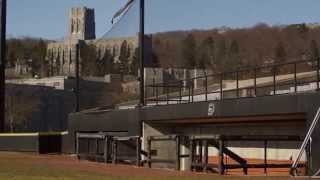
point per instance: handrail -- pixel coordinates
(317, 173)
(305, 142)
(249, 69)
(189, 84)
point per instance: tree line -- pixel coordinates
(228, 49)
(97, 62)
(27, 50)
(217, 49)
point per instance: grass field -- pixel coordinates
(22, 166)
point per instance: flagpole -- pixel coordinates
(141, 47)
(3, 14)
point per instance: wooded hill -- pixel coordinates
(226, 49)
(27, 50)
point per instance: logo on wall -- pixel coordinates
(211, 109)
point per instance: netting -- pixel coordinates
(127, 24)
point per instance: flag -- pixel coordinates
(122, 10)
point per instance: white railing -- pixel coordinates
(305, 142)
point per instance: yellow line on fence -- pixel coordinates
(33, 134)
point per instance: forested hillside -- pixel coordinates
(225, 48)
(27, 50)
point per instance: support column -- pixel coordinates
(308, 158)
(205, 157)
(97, 150)
(265, 156)
(191, 154)
(178, 153)
(200, 151)
(88, 146)
(114, 151)
(138, 151)
(221, 163)
(106, 150)
(77, 146)
(184, 154)
(149, 152)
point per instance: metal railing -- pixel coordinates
(267, 80)
(305, 142)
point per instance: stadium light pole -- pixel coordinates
(3, 14)
(141, 54)
(77, 91)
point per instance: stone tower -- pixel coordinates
(82, 24)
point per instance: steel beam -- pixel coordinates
(3, 23)
(142, 48)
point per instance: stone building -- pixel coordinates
(82, 23)
(22, 67)
(61, 56)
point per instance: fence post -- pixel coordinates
(167, 94)
(51, 63)
(189, 89)
(318, 73)
(221, 86)
(145, 97)
(237, 77)
(154, 84)
(180, 91)
(295, 78)
(192, 91)
(255, 82)
(274, 80)
(206, 81)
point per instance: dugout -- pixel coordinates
(42, 143)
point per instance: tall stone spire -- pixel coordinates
(82, 24)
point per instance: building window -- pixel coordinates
(56, 84)
(72, 26)
(70, 56)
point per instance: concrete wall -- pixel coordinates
(130, 120)
(20, 143)
(123, 122)
(50, 106)
(47, 109)
(308, 103)
(31, 142)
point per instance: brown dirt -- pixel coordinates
(71, 162)
(256, 171)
